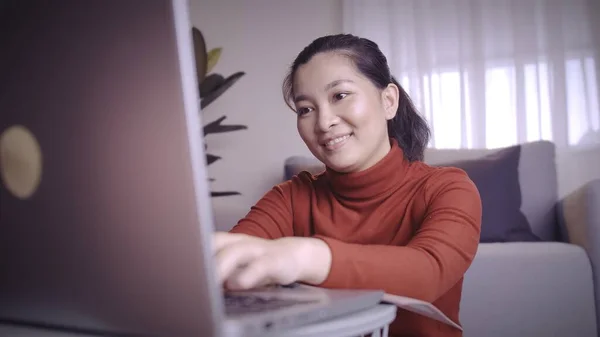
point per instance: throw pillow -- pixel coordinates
(497, 179)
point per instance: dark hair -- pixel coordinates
(407, 127)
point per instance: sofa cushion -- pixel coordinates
(497, 179)
(528, 289)
(296, 164)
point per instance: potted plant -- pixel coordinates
(212, 86)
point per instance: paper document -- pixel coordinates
(410, 304)
(419, 307)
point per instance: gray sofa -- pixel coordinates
(520, 287)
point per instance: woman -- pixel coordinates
(378, 217)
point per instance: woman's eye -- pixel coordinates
(340, 96)
(302, 111)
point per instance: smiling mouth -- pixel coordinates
(337, 143)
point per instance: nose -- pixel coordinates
(327, 118)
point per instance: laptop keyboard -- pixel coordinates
(242, 303)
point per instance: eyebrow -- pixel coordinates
(336, 82)
(327, 87)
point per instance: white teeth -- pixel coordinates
(337, 140)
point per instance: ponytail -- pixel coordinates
(408, 127)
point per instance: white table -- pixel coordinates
(374, 321)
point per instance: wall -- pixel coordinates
(260, 37)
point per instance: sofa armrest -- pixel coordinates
(580, 213)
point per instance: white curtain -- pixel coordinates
(492, 73)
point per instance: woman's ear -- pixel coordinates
(390, 96)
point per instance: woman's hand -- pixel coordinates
(246, 262)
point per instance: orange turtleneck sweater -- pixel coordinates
(406, 228)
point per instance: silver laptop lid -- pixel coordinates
(105, 228)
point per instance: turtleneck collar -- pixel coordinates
(378, 179)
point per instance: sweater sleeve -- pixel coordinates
(437, 257)
(271, 216)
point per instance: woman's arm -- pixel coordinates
(434, 260)
(245, 261)
(271, 217)
(261, 249)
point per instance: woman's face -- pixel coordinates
(342, 116)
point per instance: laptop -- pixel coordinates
(105, 211)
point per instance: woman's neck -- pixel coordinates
(374, 180)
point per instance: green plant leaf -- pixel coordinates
(200, 54)
(210, 158)
(224, 194)
(214, 94)
(213, 59)
(210, 84)
(217, 127)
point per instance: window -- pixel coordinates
(518, 104)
